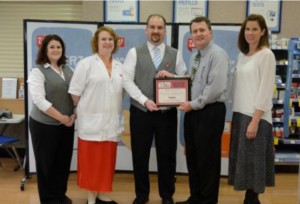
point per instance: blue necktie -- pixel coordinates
(156, 57)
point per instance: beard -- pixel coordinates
(155, 38)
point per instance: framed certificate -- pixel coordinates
(172, 91)
(269, 9)
(185, 10)
(121, 11)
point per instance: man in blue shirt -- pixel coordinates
(205, 114)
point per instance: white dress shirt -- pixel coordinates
(129, 71)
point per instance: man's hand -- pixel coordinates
(151, 105)
(164, 74)
(186, 106)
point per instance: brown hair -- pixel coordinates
(264, 40)
(95, 40)
(199, 19)
(156, 15)
(42, 57)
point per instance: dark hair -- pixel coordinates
(264, 40)
(42, 57)
(156, 15)
(95, 40)
(199, 19)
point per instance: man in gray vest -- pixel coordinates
(147, 121)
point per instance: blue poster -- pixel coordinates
(77, 38)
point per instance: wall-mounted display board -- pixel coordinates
(76, 36)
(269, 9)
(185, 10)
(121, 11)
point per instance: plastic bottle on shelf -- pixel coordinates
(21, 90)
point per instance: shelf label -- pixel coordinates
(275, 140)
(298, 122)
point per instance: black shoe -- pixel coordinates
(66, 200)
(167, 201)
(183, 202)
(98, 201)
(251, 197)
(140, 200)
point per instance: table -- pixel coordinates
(17, 118)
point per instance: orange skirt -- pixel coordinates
(96, 165)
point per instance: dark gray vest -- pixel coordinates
(145, 70)
(56, 93)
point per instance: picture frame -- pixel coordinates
(171, 92)
(269, 9)
(185, 10)
(121, 11)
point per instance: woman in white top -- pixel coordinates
(96, 89)
(251, 160)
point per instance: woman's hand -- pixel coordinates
(71, 121)
(252, 130)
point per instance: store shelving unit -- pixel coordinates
(287, 140)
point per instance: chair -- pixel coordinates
(8, 142)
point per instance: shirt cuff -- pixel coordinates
(195, 105)
(43, 105)
(143, 100)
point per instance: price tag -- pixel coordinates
(275, 140)
(298, 122)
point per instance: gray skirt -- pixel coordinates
(251, 162)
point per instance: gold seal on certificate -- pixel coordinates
(172, 91)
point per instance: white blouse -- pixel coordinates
(99, 111)
(253, 83)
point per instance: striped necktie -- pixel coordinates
(156, 57)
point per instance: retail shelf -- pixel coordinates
(277, 102)
(290, 141)
(277, 120)
(287, 158)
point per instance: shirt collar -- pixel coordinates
(151, 46)
(47, 65)
(203, 51)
